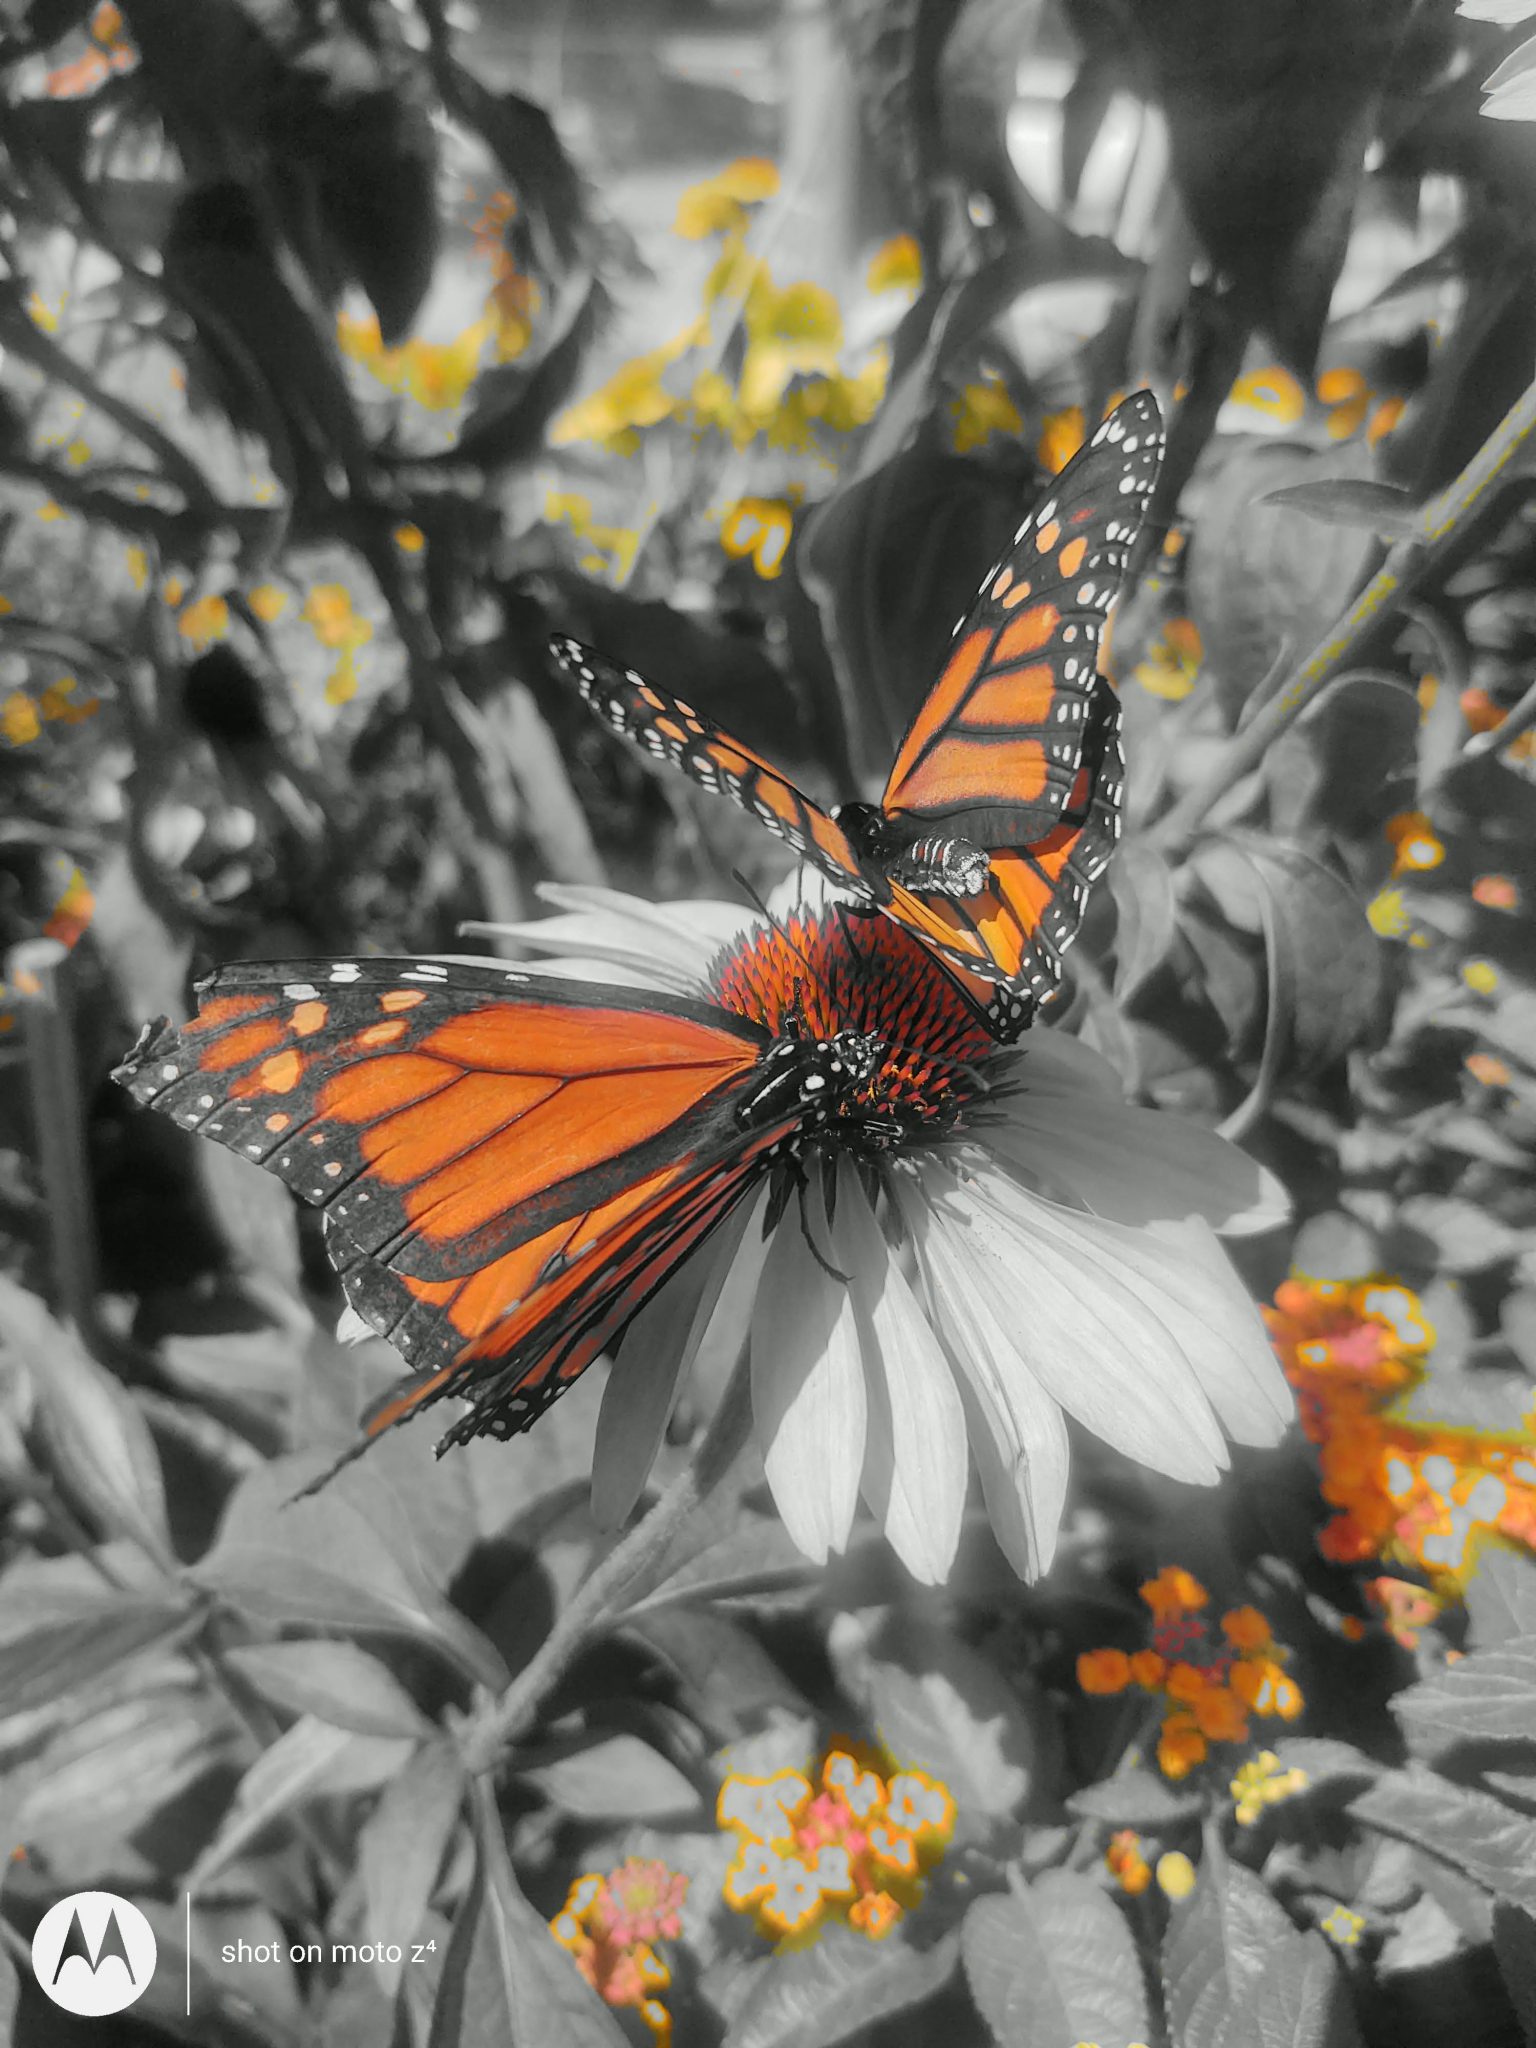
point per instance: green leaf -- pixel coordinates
(755, 1555)
(402, 1843)
(310, 1760)
(1312, 771)
(1325, 966)
(943, 1709)
(104, 1775)
(96, 1439)
(1302, 2000)
(336, 1682)
(79, 1636)
(1358, 502)
(1501, 1599)
(1514, 1945)
(1325, 1761)
(1477, 1834)
(1219, 1943)
(10, 1991)
(1136, 1799)
(342, 1559)
(1489, 1696)
(613, 1777)
(1055, 1965)
(1260, 579)
(506, 1982)
(729, 1679)
(817, 1996)
(1147, 928)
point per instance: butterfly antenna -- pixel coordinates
(783, 931)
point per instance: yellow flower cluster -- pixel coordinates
(23, 715)
(857, 1849)
(1262, 1782)
(790, 384)
(438, 374)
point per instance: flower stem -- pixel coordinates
(1446, 527)
(630, 1570)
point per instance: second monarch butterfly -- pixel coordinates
(1002, 805)
(509, 1164)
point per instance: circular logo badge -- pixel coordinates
(93, 1953)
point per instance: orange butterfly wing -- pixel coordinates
(509, 1164)
(994, 752)
(672, 731)
(524, 1327)
(1004, 946)
(443, 1114)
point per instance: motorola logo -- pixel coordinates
(93, 1953)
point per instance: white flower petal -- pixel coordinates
(351, 1329)
(1230, 1352)
(915, 1467)
(1056, 1063)
(1136, 1165)
(1017, 1434)
(652, 1361)
(1086, 1336)
(669, 945)
(808, 1395)
(806, 888)
(1505, 12)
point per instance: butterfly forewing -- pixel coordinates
(672, 731)
(994, 751)
(445, 1114)
(509, 1164)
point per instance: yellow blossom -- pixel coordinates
(1387, 914)
(409, 539)
(1343, 1927)
(759, 528)
(1273, 391)
(897, 265)
(205, 621)
(718, 205)
(982, 410)
(1175, 1874)
(1061, 435)
(268, 602)
(1172, 662)
(19, 719)
(1481, 976)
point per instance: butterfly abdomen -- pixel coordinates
(937, 864)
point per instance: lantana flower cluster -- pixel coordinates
(856, 1847)
(1410, 1493)
(1210, 1684)
(609, 1924)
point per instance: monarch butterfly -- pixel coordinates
(1002, 805)
(509, 1164)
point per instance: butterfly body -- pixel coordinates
(934, 864)
(509, 1164)
(1002, 804)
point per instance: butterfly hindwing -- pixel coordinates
(994, 751)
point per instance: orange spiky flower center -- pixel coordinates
(821, 975)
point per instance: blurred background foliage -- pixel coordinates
(350, 346)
